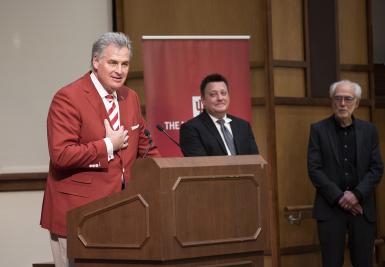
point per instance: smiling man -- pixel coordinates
(215, 132)
(95, 132)
(344, 165)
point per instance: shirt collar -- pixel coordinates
(99, 87)
(225, 118)
(338, 125)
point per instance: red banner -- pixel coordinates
(173, 70)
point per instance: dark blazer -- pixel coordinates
(324, 162)
(200, 137)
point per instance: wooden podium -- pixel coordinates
(197, 211)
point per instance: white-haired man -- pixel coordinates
(344, 165)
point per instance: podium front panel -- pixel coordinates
(176, 209)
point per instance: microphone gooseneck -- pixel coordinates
(161, 129)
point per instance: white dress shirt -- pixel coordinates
(228, 127)
(103, 93)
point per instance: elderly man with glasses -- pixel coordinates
(345, 166)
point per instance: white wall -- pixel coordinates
(44, 45)
(22, 241)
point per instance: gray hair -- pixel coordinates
(356, 87)
(117, 38)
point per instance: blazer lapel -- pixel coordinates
(332, 135)
(94, 98)
(209, 124)
(122, 108)
(235, 129)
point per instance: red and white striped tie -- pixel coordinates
(113, 112)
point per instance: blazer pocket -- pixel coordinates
(82, 177)
(134, 127)
(74, 188)
(78, 184)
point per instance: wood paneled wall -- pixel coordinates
(354, 43)
(292, 172)
(287, 29)
(352, 31)
(293, 122)
(283, 106)
(289, 82)
(194, 17)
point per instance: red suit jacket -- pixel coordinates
(79, 171)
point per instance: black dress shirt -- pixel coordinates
(348, 157)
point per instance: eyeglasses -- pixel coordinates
(347, 99)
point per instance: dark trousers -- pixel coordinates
(332, 236)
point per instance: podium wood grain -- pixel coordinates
(177, 211)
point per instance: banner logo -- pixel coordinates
(197, 106)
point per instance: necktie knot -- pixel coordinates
(221, 122)
(110, 98)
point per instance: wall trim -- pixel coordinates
(22, 181)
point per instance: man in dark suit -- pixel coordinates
(215, 132)
(344, 165)
(95, 132)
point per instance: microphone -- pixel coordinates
(148, 135)
(161, 129)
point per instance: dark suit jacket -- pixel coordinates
(79, 171)
(324, 165)
(200, 137)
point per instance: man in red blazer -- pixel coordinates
(95, 132)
